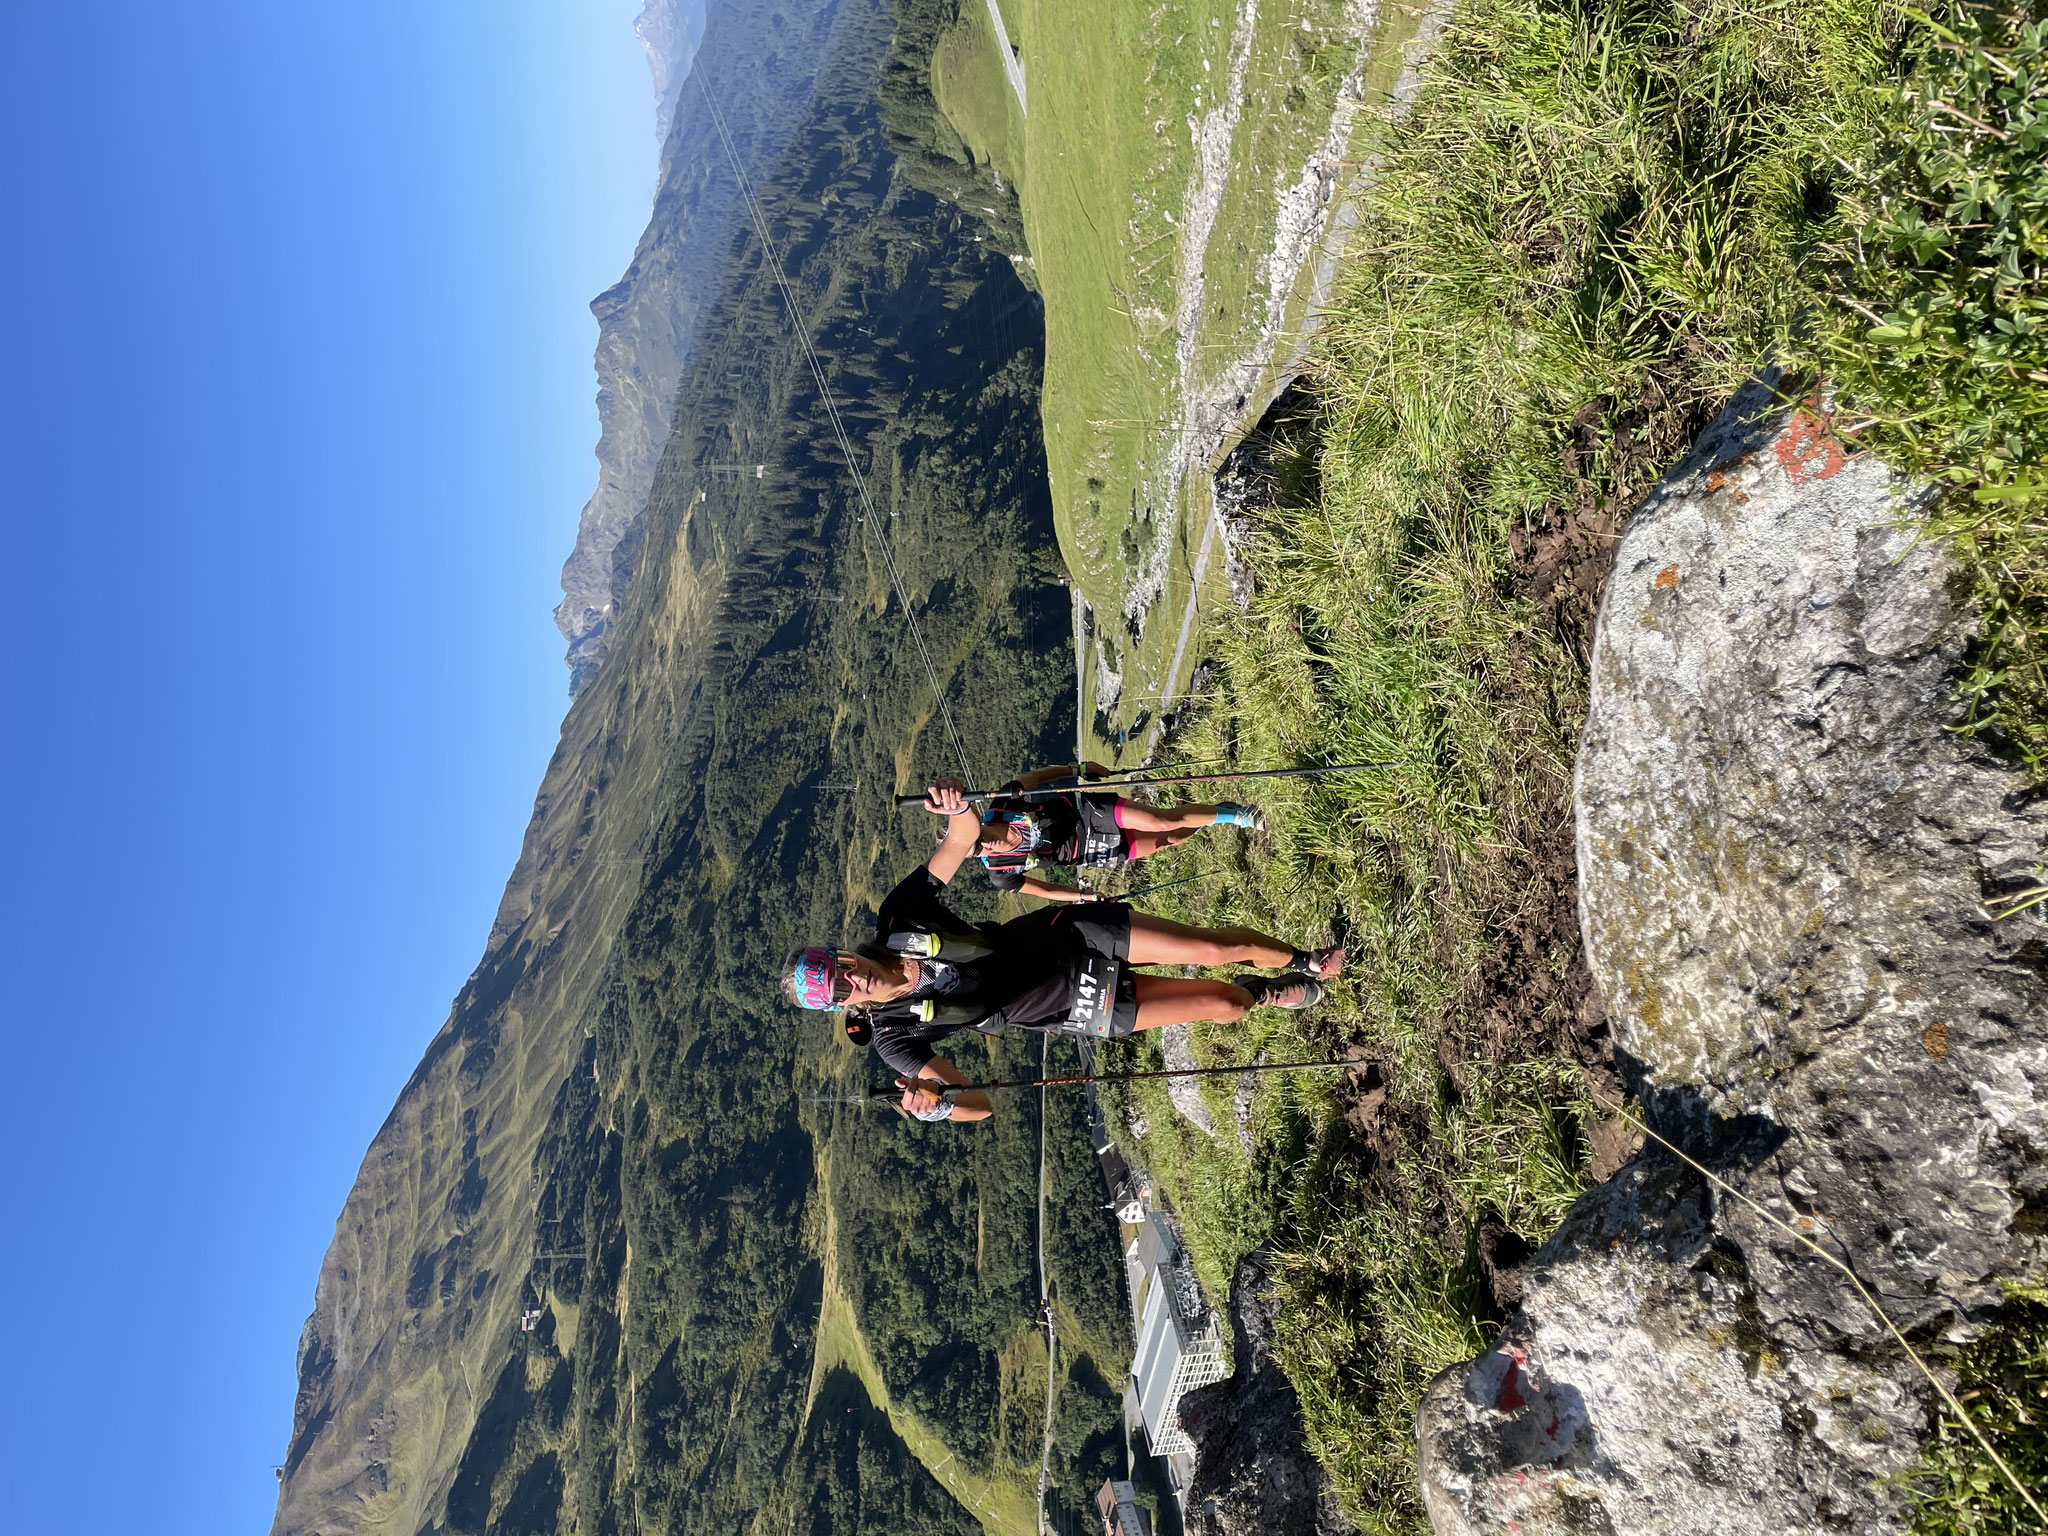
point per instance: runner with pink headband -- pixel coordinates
(928, 973)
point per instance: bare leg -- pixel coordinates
(1170, 1000)
(1158, 941)
(1133, 817)
(1145, 844)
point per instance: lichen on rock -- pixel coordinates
(1785, 856)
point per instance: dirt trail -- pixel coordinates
(1011, 66)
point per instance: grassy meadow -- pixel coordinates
(1166, 326)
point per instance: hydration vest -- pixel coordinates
(953, 949)
(1025, 857)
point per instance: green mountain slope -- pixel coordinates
(1187, 174)
(621, 1129)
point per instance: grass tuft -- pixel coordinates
(1936, 336)
(2002, 1382)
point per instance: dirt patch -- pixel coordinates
(1363, 1097)
(1532, 995)
(1388, 1133)
(1565, 554)
(1609, 1144)
(1502, 1253)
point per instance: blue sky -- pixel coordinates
(298, 417)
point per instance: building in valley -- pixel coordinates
(1122, 1515)
(1178, 1346)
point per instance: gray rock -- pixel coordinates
(1785, 854)
(1253, 1471)
(1176, 1044)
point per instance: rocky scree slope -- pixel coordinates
(1786, 858)
(1253, 1470)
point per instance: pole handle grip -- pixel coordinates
(910, 802)
(888, 1091)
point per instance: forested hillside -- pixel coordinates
(757, 1307)
(649, 320)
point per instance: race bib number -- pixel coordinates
(1094, 1005)
(1101, 849)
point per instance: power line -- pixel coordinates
(1044, 1292)
(869, 520)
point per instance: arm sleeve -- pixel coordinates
(903, 1050)
(915, 904)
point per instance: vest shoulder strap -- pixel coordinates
(930, 944)
(930, 1010)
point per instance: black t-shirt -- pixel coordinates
(1028, 979)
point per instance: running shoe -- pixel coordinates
(1250, 817)
(1324, 963)
(1290, 989)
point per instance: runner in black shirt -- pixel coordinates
(928, 974)
(1083, 828)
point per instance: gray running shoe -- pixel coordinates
(1290, 989)
(1323, 963)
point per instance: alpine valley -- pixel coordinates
(620, 1259)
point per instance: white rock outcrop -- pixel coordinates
(1789, 864)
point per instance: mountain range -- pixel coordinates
(758, 60)
(627, 1255)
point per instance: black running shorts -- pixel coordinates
(1097, 938)
(1103, 844)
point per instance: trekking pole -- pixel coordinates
(945, 1091)
(1200, 762)
(1062, 786)
(1147, 890)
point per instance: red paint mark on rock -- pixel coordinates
(1509, 1398)
(1666, 578)
(1807, 449)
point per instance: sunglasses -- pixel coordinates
(842, 978)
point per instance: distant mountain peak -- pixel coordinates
(647, 321)
(670, 31)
